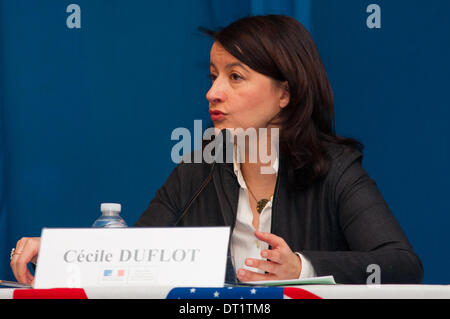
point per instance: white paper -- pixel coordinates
(323, 280)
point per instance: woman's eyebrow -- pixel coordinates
(230, 65)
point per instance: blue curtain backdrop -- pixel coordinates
(86, 114)
(3, 215)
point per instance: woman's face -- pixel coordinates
(240, 97)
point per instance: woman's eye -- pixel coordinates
(235, 77)
(212, 77)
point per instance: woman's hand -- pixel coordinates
(281, 262)
(26, 251)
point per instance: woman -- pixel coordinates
(318, 212)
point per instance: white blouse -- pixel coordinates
(244, 244)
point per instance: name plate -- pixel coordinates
(99, 257)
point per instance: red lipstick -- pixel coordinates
(216, 115)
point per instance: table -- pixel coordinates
(237, 292)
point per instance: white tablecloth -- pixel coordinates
(321, 291)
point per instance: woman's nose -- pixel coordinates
(216, 93)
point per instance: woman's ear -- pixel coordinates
(285, 95)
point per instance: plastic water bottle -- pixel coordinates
(110, 216)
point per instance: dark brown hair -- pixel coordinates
(280, 47)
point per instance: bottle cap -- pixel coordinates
(110, 207)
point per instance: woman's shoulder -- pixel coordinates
(186, 176)
(193, 164)
(342, 155)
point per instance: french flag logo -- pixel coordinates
(114, 273)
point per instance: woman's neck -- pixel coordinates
(260, 175)
(257, 156)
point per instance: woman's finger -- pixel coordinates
(264, 265)
(248, 275)
(21, 272)
(273, 240)
(273, 255)
(18, 250)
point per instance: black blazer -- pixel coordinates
(341, 224)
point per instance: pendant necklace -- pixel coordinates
(260, 204)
